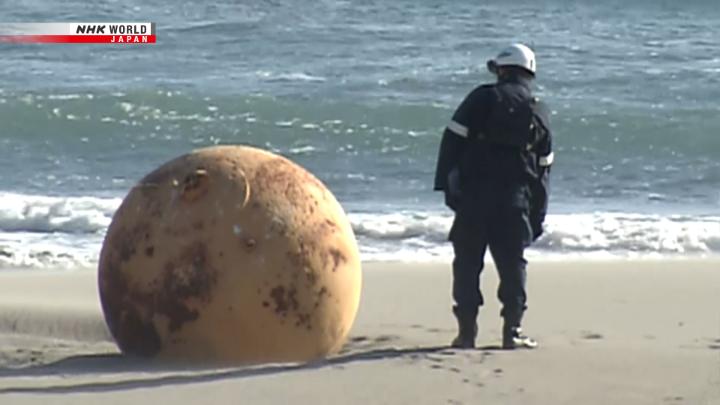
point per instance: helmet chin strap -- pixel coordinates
(492, 67)
(504, 73)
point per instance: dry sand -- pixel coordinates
(616, 332)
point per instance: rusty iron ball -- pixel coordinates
(230, 254)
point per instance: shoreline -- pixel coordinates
(542, 260)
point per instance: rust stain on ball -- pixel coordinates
(230, 254)
(188, 278)
(134, 333)
(338, 258)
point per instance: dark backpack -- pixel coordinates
(512, 120)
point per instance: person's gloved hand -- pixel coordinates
(452, 201)
(537, 230)
(453, 192)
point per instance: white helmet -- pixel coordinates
(514, 55)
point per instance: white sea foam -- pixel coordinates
(43, 214)
(418, 236)
(67, 232)
(302, 150)
(289, 77)
(52, 232)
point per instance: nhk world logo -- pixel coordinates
(96, 33)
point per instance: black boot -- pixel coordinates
(467, 329)
(514, 339)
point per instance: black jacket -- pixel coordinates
(499, 137)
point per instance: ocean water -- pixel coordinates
(358, 92)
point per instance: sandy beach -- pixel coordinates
(622, 332)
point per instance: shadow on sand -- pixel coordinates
(155, 375)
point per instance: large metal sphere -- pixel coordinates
(230, 254)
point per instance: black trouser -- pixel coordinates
(504, 228)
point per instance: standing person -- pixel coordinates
(493, 166)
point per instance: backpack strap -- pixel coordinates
(538, 129)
